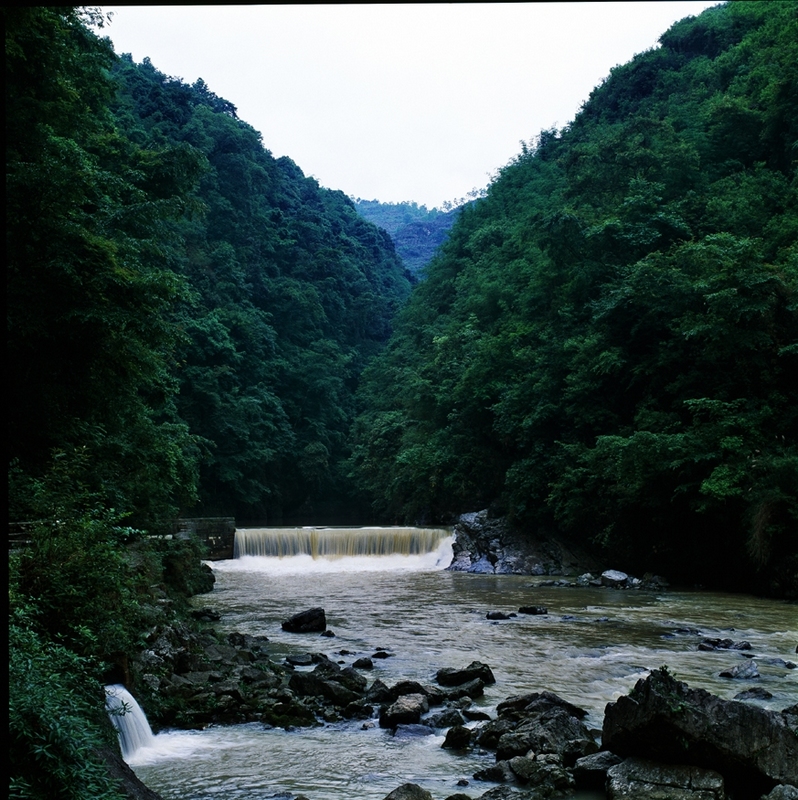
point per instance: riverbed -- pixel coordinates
(591, 647)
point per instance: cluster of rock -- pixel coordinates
(663, 740)
(487, 545)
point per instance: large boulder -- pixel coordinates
(664, 720)
(638, 779)
(449, 676)
(311, 621)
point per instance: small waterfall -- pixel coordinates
(332, 543)
(128, 719)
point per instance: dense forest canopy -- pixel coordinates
(607, 344)
(191, 310)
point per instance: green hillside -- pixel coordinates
(606, 346)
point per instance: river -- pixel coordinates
(591, 647)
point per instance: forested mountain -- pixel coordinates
(417, 232)
(230, 306)
(607, 344)
(292, 293)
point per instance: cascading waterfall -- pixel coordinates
(332, 543)
(128, 719)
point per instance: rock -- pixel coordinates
(499, 772)
(299, 660)
(449, 718)
(412, 731)
(535, 610)
(664, 720)
(744, 671)
(757, 693)
(496, 615)
(590, 772)
(363, 663)
(206, 614)
(709, 643)
(782, 792)
(472, 689)
(638, 779)
(409, 791)
(380, 653)
(407, 709)
(129, 785)
(448, 676)
(614, 578)
(458, 737)
(311, 621)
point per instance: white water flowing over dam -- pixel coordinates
(343, 549)
(129, 720)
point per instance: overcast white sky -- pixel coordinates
(397, 102)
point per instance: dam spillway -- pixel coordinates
(332, 543)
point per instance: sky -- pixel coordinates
(405, 102)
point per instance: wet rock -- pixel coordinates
(458, 737)
(378, 693)
(499, 772)
(783, 792)
(381, 653)
(449, 718)
(638, 779)
(300, 660)
(757, 693)
(409, 791)
(363, 663)
(489, 735)
(745, 671)
(449, 676)
(664, 720)
(497, 615)
(533, 610)
(709, 643)
(472, 689)
(412, 731)
(519, 706)
(206, 614)
(407, 709)
(475, 715)
(614, 578)
(590, 772)
(311, 621)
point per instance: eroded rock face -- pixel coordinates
(664, 720)
(638, 779)
(488, 545)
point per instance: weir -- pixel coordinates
(128, 719)
(331, 543)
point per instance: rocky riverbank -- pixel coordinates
(662, 740)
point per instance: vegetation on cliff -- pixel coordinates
(606, 345)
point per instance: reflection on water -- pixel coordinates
(590, 648)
